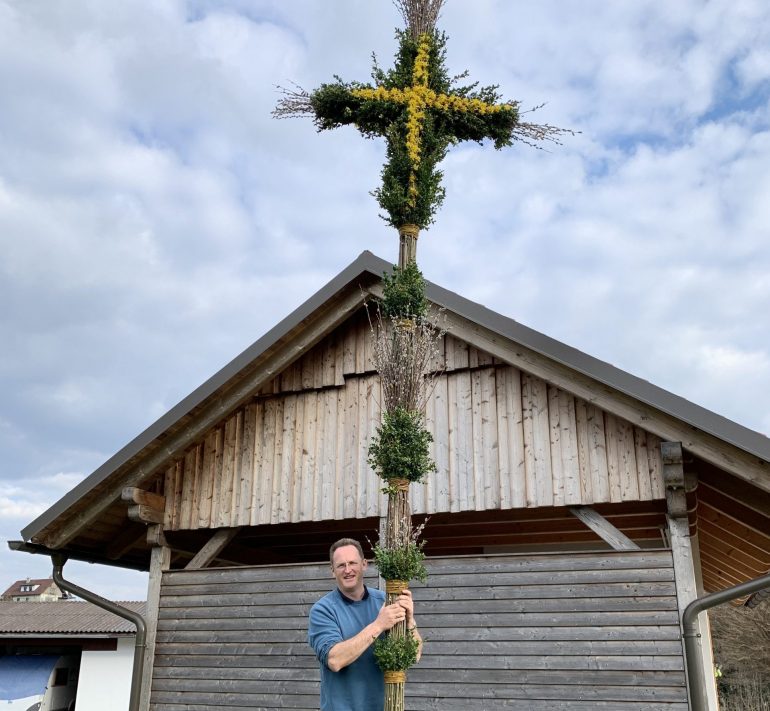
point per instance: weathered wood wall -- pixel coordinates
(582, 631)
(503, 439)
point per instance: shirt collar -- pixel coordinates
(347, 600)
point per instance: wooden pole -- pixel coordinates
(407, 244)
(398, 524)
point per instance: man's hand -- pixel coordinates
(390, 615)
(406, 602)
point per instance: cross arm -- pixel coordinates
(335, 105)
(473, 125)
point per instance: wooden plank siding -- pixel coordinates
(502, 439)
(549, 631)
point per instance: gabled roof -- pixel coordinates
(63, 618)
(19, 588)
(357, 281)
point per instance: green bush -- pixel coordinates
(396, 653)
(404, 293)
(400, 448)
(401, 563)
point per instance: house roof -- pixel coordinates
(59, 618)
(360, 275)
(39, 586)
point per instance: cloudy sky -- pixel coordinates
(155, 221)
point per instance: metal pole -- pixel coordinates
(692, 639)
(58, 560)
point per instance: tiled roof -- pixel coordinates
(40, 585)
(63, 617)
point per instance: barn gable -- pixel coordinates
(521, 423)
(502, 439)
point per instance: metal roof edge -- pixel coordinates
(365, 262)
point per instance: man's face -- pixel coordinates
(348, 569)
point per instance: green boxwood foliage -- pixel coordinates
(396, 653)
(334, 105)
(400, 448)
(404, 563)
(404, 293)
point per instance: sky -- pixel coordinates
(155, 220)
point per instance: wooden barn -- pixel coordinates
(576, 511)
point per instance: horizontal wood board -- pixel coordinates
(549, 631)
(503, 439)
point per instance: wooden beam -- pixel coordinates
(603, 528)
(674, 479)
(144, 498)
(212, 548)
(209, 416)
(145, 514)
(709, 447)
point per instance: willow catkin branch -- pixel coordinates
(294, 103)
(419, 16)
(403, 357)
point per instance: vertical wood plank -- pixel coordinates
(456, 353)
(207, 480)
(349, 351)
(339, 360)
(362, 336)
(257, 459)
(269, 433)
(489, 441)
(189, 487)
(642, 464)
(439, 498)
(373, 390)
(235, 501)
(613, 457)
(168, 493)
(247, 473)
(598, 459)
(327, 366)
(464, 404)
(340, 478)
(557, 475)
(227, 473)
(318, 365)
(349, 451)
(476, 482)
(629, 480)
(510, 435)
(310, 438)
(327, 402)
(584, 456)
(655, 463)
(285, 468)
(569, 449)
(298, 437)
(537, 441)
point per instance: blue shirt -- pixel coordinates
(335, 618)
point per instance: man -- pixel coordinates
(343, 626)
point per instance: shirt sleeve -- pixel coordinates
(323, 631)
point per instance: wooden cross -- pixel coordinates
(420, 111)
(418, 97)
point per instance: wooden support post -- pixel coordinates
(603, 528)
(212, 548)
(160, 559)
(682, 548)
